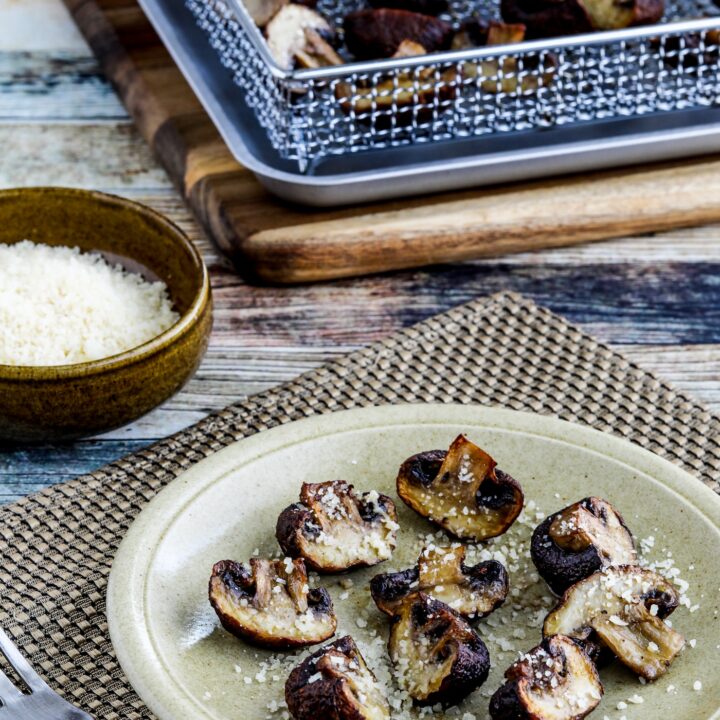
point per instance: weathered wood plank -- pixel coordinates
(108, 156)
(62, 85)
(38, 25)
(641, 303)
(645, 289)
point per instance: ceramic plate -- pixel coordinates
(185, 666)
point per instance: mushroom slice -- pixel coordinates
(335, 683)
(442, 574)
(510, 74)
(415, 97)
(439, 657)
(269, 603)
(552, 18)
(334, 528)
(583, 538)
(461, 491)
(262, 11)
(554, 681)
(622, 609)
(299, 36)
(377, 32)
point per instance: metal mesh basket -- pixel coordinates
(310, 114)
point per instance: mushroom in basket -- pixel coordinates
(579, 540)
(335, 683)
(551, 18)
(554, 681)
(622, 609)
(379, 32)
(402, 98)
(335, 529)
(439, 657)
(461, 490)
(298, 36)
(441, 573)
(517, 73)
(269, 604)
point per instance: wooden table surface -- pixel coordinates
(656, 298)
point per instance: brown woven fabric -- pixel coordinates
(57, 546)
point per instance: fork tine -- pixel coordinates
(8, 691)
(20, 664)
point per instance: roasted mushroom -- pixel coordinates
(622, 608)
(269, 604)
(417, 96)
(461, 491)
(552, 18)
(297, 36)
(335, 684)
(477, 31)
(378, 32)
(335, 529)
(554, 681)
(439, 657)
(442, 574)
(509, 74)
(581, 539)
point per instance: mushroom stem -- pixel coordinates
(643, 642)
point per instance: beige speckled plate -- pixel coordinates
(185, 667)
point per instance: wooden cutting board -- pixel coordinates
(270, 240)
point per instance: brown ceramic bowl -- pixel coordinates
(52, 403)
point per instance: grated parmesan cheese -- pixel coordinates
(59, 306)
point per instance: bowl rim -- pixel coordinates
(168, 337)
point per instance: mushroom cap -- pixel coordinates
(556, 680)
(334, 528)
(438, 656)
(461, 490)
(378, 32)
(335, 683)
(622, 608)
(579, 540)
(441, 573)
(269, 603)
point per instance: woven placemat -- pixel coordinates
(57, 546)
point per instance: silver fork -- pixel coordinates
(41, 703)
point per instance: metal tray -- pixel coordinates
(427, 167)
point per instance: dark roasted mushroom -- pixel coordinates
(461, 491)
(579, 540)
(335, 684)
(554, 681)
(622, 608)
(377, 33)
(269, 604)
(442, 574)
(334, 528)
(438, 656)
(297, 36)
(552, 18)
